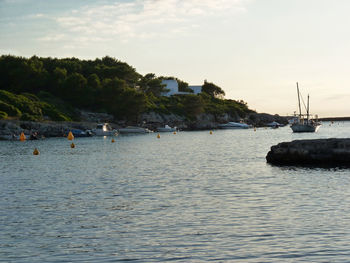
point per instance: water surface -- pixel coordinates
(189, 197)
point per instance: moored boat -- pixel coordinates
(81, 133)
(166, 128)
(104, 129)
(234, 125)
(274, 125)
(304, 122)
(133, 129)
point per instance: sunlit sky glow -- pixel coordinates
(256, 50)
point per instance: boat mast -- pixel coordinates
(299, 101)
(307, 111)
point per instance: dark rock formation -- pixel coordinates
(206, 121)
(319, 152)
(10, 128)
(262, 119)
(87, 116)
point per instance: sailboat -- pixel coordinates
(302, 124)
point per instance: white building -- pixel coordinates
(173, 87)
(196, 89)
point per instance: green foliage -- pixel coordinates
(9, 109)
(53, 113)
(57, 109)
(21, 102)
(183, 86)
(151, 84)
(30, 96)
(3, 115)
(31, 106)
(212, 90)
(55, 88)
(28, 117)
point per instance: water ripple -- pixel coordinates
(190, 197)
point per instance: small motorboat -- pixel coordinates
(104, 129)
(81, 133)
(274, 125)
(133, 129)
(234, 125)
(166, 128)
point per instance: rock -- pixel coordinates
(262, 119)
(224, 118)
(88, 116)
(204, 121)
(319, 152)
(152, 120)
(46, 129)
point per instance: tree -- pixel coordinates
(151, 84)
(73, 89)
(193, 105)
(183, 86)
(212, 90)
(120, 100)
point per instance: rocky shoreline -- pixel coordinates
(318, 152)
(10, 129)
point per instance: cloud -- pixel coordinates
(9, 52)
(337, 97)
(52, 37)
(142, 19)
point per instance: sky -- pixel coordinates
(255, 50)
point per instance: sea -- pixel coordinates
(185, 197)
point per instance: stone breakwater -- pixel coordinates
(318, 152)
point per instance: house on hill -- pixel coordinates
(173, 87)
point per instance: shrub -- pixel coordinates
(30, 96)
(9, 109)
(28, 117)
(3, 115)
(53, 113)
(21, 102)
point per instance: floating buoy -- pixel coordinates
(254, 129)
(210, 132)
(70, 136)
(113, 140)
(36, 151)
(72, 145)
(174, 132)
(22, 137)
(158, 136)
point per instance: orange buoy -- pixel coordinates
(210, 132)
(22, 137)
(113, 140)
(174, 132)
(70, 136)
(36, 152)
(72, 145)
(158, 136)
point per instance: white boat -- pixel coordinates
(104, 129)
(302, 124)
(166, 128)
(234, 125)
(133, 129)
(274, 125)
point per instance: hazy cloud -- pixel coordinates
(143, 18)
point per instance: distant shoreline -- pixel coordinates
(335, 119)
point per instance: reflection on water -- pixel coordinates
(188, 197)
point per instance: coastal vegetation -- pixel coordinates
(40, 89)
